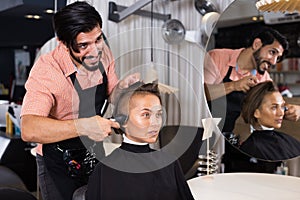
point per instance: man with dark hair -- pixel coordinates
(66, 96)
(229, 73)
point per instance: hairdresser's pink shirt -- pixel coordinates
(217, 63)
(50, 91)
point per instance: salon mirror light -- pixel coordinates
(229, 20)
(204, 6)
(173, 31)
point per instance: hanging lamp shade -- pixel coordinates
(279, 5)
(173, 31)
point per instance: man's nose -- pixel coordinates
(94, 49)
(273, 60)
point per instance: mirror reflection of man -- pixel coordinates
(230, 73)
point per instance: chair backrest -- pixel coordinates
(186, 135)
(9, 193)
(79, 194)
(10, 179)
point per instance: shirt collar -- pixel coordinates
(234, 56)
(63, 57)
(253, 71)
(129, 141)
(262, 127)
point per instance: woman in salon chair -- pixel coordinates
(263, 108)
(135, 171)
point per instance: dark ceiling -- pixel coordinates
(16, 30)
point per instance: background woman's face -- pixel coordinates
(271, 111)
(145, 118)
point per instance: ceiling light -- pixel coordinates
(36, 16)
(49, 11)
(33, 16)
(29, 16)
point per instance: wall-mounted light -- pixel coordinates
(173, 31)
(204, 6)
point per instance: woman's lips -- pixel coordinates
(153, 132)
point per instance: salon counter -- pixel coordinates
(246, 186)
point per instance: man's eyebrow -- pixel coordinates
(84, 43)
(148, 109)
(275, 49)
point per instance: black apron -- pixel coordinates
(91, 102)
(232, 102)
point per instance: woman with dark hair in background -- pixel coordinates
(263, 108)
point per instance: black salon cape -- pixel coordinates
(108, 183)
(271, 145)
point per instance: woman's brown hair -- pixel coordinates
(254, 98)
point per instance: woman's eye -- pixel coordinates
(273, 107)
(146, 115)
(158, 115)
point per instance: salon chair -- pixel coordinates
(10, 179)
(10, 193)
(188, 138)
(79, 194)
(12, 187)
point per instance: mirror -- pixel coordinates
(232, 31)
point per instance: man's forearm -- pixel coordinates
(46, 130)
(218, 90)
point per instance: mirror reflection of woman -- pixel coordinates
(263, 108)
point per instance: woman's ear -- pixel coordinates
(124, 125)
(256, 44)
(257, 114)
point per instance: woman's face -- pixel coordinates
(145, 118)
(271, 111)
